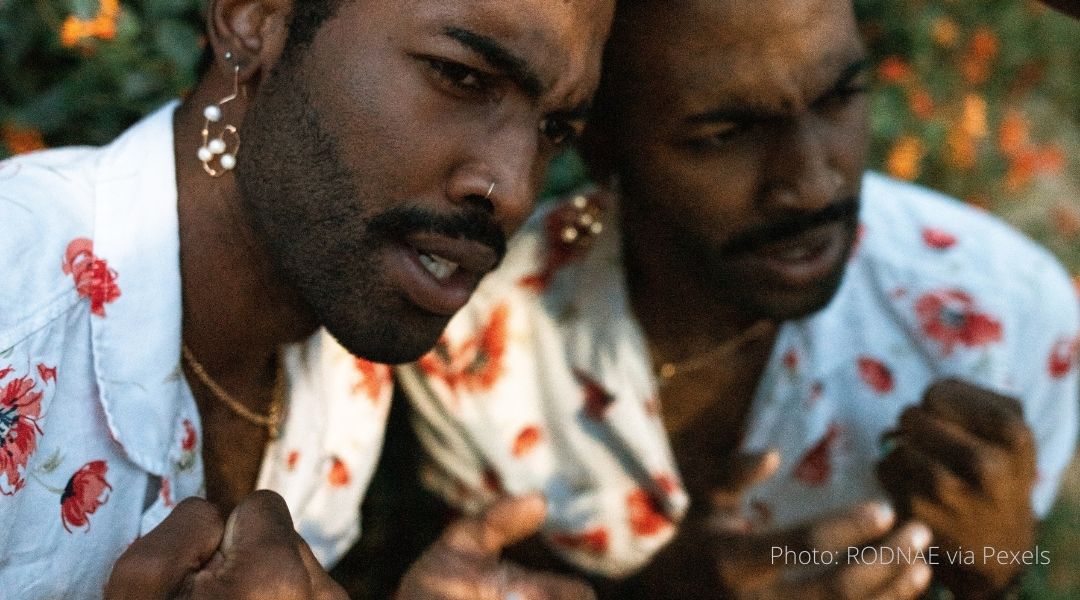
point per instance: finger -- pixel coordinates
(939, 518)
(261, 519)
(324, 586)
(505, 523)
(156, 565)
(991, 416)
(928, 477)
(854, 527)
(891, 471)
(747, 470)
(531, 585)
(259, 555)
(759, 558)
(945, 442)
(876, 567)
(912, 583)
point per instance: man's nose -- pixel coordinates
(802, 175)
(502, 176)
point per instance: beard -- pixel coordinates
(320, 224)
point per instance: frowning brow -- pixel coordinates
(748, 112)
(499, 57)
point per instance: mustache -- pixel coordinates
(472, 223)
(791, 225)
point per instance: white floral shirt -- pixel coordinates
(543, 381)
(99, 433)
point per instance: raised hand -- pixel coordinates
(191, 555)
(964, 464)
(465, 564)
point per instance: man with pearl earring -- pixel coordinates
(202, 308)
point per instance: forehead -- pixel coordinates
(694, 54)
(561, 40)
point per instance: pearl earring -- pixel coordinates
(581, 222)
(217, 148)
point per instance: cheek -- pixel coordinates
(850, 138)
(708, 194)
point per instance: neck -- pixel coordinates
(681, 315)
(236, 311)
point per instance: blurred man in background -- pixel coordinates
(742, 345)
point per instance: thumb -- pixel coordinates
(747, 470)
(505, 523)
(261, 519)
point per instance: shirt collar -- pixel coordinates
(137, 343)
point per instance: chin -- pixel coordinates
(790, 305)
(391, 341)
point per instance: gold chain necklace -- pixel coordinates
(271, 421)
(668, 370)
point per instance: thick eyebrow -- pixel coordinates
(500, 58)
(751, 113)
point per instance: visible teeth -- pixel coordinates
(438, 266)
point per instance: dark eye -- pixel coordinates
(559, 131)
(717, 135)
(459, 76)
(841, 96)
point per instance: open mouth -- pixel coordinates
(439, 267)
(438, 273)
(806, 258)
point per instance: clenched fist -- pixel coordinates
(192, 555)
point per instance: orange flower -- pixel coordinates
(973, 119)
(893, 69)
(984, 44)
(21, 140)
(1066, 220)
(1013, 135)
(945, 32)
(76, 31)
(905, 158)
(962, 149)
(1028, 163)
(921, 103)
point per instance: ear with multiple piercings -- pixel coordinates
(216, 149)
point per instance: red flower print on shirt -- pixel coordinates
(191, 437)
(46, 373)
(526, 441)
(597, 399)
(791, 359)
(292, 459)
(593, 541)
(20, 409)
(339, 473)
(166, 493)
(374, 378)
(938, 239)
(1063, 357)
(477, 363)
(85, 492)
(949, 316)
(93, 277)
(645, 518)
(815, 468)
(876, 375)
